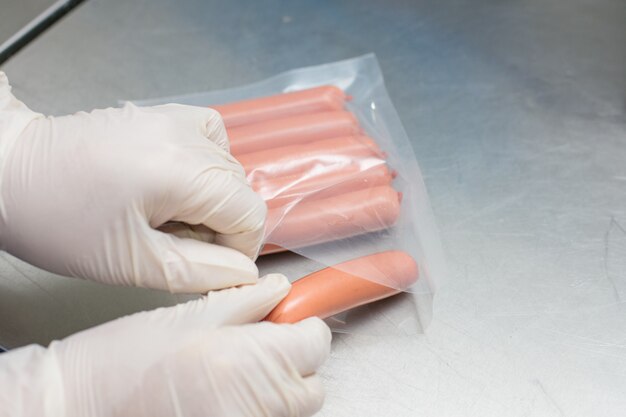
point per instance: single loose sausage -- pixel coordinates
(311, 100)
(333, 218)
(291, 130)
(347, 285)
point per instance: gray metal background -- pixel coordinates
(517, 114)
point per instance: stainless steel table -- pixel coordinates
(516, 110)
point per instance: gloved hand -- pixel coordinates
(83, 196)
(194, 359)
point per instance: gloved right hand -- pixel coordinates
(207, 357)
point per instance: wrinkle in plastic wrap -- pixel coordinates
(340, 178)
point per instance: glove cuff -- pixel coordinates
(14, 117)
(32, 384)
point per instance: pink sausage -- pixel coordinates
(328, 154)
(333, 218)
(347, 285)
(311, 100)
(286, 190)
(291, 130)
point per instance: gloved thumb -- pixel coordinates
(181, 265)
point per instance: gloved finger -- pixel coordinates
(188, 231)
(297, 396)
(192, 266)
(206, 121)
(226, 204)
(312, 397)
(237, 305)
(248, 303)
(304, 346)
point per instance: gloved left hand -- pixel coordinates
(207, 357)
(83, 195)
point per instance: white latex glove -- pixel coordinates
(83, 195)
(195, 359)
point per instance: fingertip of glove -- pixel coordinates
(317, 329)
(278, 282)
(213, 127)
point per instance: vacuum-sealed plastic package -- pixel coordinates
(325, 149)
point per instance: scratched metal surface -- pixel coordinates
(517, 113)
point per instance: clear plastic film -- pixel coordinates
(326, 150)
